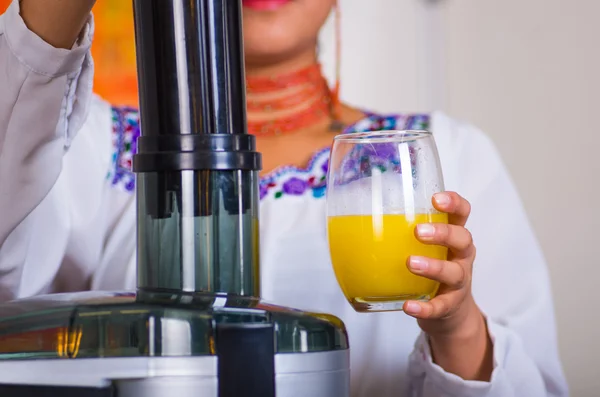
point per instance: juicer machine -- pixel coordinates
(195, 326)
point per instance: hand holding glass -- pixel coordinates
(379, 188)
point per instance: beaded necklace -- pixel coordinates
(307, 100)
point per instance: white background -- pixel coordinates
(528, 73)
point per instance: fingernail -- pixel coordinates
(442, 199)
(413, 307)
(419, 264)
(425, 230)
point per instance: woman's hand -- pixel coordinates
(454, 324)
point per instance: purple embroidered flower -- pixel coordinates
(325, 166)
(379, 151)
(118, 175)
(263, 190)
(295, 186)
(362, 150)
(387, 151)
(130, 185)
(349, 165)
(134, 139)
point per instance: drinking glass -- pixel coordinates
(379, 188)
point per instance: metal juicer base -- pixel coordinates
(324, 374)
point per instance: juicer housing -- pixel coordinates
(196, 324)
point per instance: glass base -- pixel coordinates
(384, 304)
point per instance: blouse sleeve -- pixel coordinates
(44, 99)
(510, 283)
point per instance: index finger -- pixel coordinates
(457, 207)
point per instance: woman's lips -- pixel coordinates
(263, 5)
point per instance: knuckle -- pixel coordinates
(468, 238)
(427, 310)
(461, 281)
(467, 207)
(444, 232)
(442, 307)
(436, 268)
(461, 239)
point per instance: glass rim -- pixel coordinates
(383, 136)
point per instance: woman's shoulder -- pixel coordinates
(471, 162)
(464, 148)
(455, 132)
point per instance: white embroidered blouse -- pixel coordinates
(68, 223)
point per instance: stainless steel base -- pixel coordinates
(180, 386)
(324, 374)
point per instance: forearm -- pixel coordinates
(467, 354)
(57, 22)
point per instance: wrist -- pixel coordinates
(471, 327)
(465, 350)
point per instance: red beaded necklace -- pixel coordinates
(308, 95)
(308, 98)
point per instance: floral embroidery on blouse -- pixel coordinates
(126, 131)
(365, 158)
(295, 181)
(284, 181)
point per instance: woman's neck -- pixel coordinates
(286, 97)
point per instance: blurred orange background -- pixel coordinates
(113, 51)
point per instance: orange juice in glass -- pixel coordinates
(380, 186)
